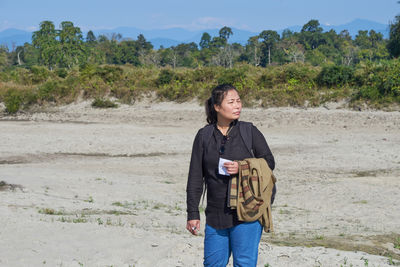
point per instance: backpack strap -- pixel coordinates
(246, 133)
(245, 129)
(206, 135)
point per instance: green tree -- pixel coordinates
(286, 34)
(3, 57)
(166, 56)
(375, 38)
(26, 55)
(253, 49)
(394, 38)
(183, 55)
(312, 26)
(345, 35)
(45, 40)
(205, 41)
(143, 44)
(217, 42)
(72, 48)
(362, 40)
(144, 48)
(128, 52)
(90, 37)
(270, 38)
(225, 33)
(108, 49)
(311, 35)
(371, 45)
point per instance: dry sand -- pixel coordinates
(115, 181)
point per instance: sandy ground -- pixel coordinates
(95, 187)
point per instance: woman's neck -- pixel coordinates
(223, 125)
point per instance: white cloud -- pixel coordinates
(32, 28)
(5, 24)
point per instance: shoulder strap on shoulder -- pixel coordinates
(245, 129)
(206, 135)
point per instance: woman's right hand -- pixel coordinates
(193, 226)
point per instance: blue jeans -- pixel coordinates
(241, 240)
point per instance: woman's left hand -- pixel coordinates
(232, 167)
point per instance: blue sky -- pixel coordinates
(254, 15)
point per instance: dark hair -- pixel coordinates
(217, 96)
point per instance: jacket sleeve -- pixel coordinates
(194, 188)
(261, 148)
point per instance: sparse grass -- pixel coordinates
(103, 103)
(82, 214)
(49, 211)
(281, 211)
(396, 243)
(158, 206)
(365, 261)
(360, 202)
(345, 260)
(78, 219)
(375, 244)
(145, 204)
(366, 173)
(90, 199)
(118, 204)
(393, 262)
(292, 234)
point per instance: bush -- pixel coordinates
(379, 82)
(110, 74)
(87, 71)
(103, 103)
(48, 91)
(231, 76)
(62, 72)
(13, 101)
(203, 74)
(39, 74)
(165, 77)
(335, 76)
(300, 72)
(266, 80)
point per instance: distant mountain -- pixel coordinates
(174, 36)
(165, 42)
(10, 37)
(360, 24)
(353, 27)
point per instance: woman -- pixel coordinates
(224, 233)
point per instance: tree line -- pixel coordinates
(66, 47)
(306, 68)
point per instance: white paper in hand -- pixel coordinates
(221, 169)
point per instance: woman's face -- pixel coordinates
(230, 107)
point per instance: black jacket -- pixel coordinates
(204, 168)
